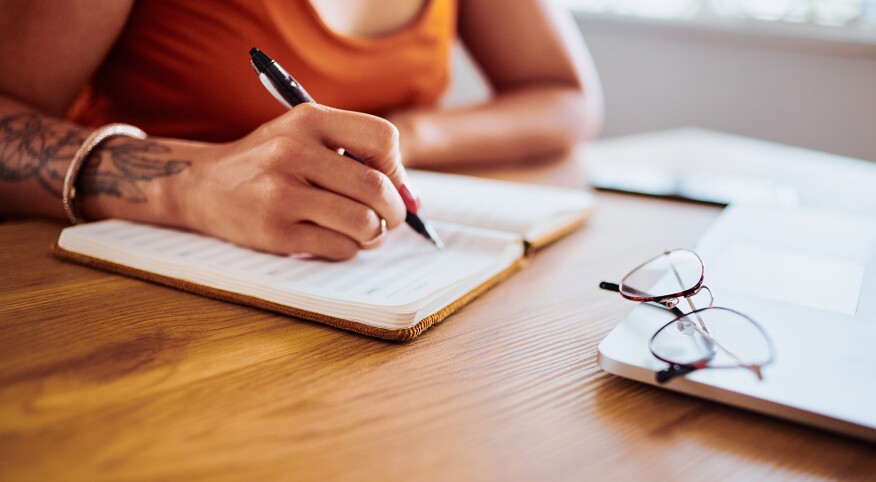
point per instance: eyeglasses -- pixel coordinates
(707, 336)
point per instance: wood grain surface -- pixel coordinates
(104, 378)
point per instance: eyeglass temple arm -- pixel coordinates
(705, 331)
(688, 298)
(754, 368)
(616, 288)
(605, 285)
(675, 370)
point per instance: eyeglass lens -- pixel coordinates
(721, 337)
(665, 275)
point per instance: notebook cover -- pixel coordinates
(404, 334)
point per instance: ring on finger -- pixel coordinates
(376, 239)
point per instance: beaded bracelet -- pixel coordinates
(68, 196)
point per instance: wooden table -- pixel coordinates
(105, 377)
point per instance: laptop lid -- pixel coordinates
(809, 278)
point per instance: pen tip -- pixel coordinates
(433, 236)
(424, 229)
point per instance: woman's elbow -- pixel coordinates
(594, 113)
(584, 113)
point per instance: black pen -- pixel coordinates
(290, 93)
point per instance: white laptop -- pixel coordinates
(809, 278)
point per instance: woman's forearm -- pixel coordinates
(283, 188)
(515, 126)
(122, 178)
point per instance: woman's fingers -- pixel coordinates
(345, 216)
(370, 139)
(307, 238)
(359, 183)
(285, 204)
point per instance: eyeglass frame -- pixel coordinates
(670, 303)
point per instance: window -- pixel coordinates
(846, 14)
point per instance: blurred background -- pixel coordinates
(799, 72)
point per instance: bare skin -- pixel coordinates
(271, 190)
(547, 96)
(265, 191)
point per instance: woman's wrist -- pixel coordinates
(69, 193)
(140, 180)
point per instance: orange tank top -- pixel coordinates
(181, 68)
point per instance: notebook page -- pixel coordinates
(527, 210)
(382, 287)
(404, 270)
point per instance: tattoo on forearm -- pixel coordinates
(116, 168)
(34, 147)
(31, 147)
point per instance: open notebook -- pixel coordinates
(393, 292)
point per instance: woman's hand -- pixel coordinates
(285, 189)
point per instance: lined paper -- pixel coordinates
(393, 286)
(405, 270)
(524, 209)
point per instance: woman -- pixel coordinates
(224, 158)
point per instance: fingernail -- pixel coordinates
(410, 197)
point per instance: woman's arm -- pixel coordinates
(547, 95)
(48, 50)
(283, 188)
